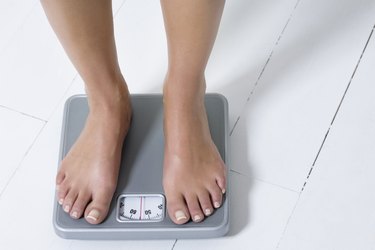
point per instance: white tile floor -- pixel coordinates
(299, 77)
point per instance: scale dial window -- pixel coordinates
(140, 208)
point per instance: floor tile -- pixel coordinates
(336, 210)
(272, 147)
(258, 215)
(141, 45)
(286, 119)
(17, 133)
(123, 245)
(248, 32)
(26, 205)
(116, 6)
(12, 16)
(34, 70)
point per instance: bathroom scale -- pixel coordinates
(138, 208)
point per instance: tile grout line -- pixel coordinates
(326, 135)
(288, 221)
(118, 10)
(22, 113)
(273, 50)
(234, 126)
(338, 108)
(277, 185)
(174, 244)
(353, 75)
(70, 244)
(263, 181)
(62, 96)
(238, 173)
(18, 28)
(22, 160)
(266, 64)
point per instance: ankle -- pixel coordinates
(182, 88)
(108, 95)
(111, 114)
(184, 107)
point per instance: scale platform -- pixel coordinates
(138, 208)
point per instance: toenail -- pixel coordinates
(75, 215)
(94, 215)
(223, 191)
(180, 215)
(207, 212)
(61, 201)
(216, 204)
(66, 208)
(197, 218)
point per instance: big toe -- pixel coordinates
(97, 209)
(177, 209)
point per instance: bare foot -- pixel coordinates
(87, 177)
(194, 177)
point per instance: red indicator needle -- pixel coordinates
(140, 210)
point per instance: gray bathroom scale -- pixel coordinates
(138, 208)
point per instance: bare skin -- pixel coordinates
(194, 177)
(194, 174)
(87, 177)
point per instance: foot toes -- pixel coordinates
(79, 205)
(205, 203)
(59, 178)
(222, 184)
(97, 210)
(194, 209)
(221, 180)
(69, 200)
(216, 195)
(177, 210)
(62, 192)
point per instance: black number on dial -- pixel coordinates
(133, 211)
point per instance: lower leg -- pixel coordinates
(87, 177)
(194, 173)
(85, 29)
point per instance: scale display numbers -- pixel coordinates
(140, 208)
